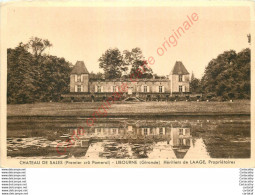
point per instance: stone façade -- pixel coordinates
(84, 89)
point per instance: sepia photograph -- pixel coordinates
(126, 85)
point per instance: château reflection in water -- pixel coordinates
(122, 138)
(138, 141)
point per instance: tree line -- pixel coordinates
(34, 76)
(117, 64)
(226, 77)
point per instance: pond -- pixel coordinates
(194, 137)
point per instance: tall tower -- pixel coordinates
(79, 78)
(179, 77)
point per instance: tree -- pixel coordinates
(195, 86)
(112, 63)
(241, 74)
(55, 78)
(228, 76)
(97, 76)
(20, 82)
(38, 45)
(192, 76)
(33, 77)
(136, 60)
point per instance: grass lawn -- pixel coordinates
(131, 108)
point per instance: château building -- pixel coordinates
(82, 88)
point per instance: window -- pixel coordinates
(187, 142)
(181, 142)
(99, 88)
(180, 78)
(145, 89)
(78, 78)
(114, 89)
(180, 88)
(180, 131)
(160, 89)
(145, 131)
(161, 131)
(78, 88)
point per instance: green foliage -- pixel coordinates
(228, 76)
(35, 77)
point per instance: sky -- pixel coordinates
(85, 33)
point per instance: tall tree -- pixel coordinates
(38, 45)
(112, 63)
(33, 77)
(20, 82)
(195, 85)
(136, 60)
(228, 76)
(55, 74)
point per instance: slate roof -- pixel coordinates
(79, 68)
(179, 69)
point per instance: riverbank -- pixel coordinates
(86, 109)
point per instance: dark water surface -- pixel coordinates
(129, 138)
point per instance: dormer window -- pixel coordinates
(180, 78)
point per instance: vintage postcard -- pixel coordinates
(151, 84)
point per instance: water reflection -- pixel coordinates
(137, 139)
(166, 142)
